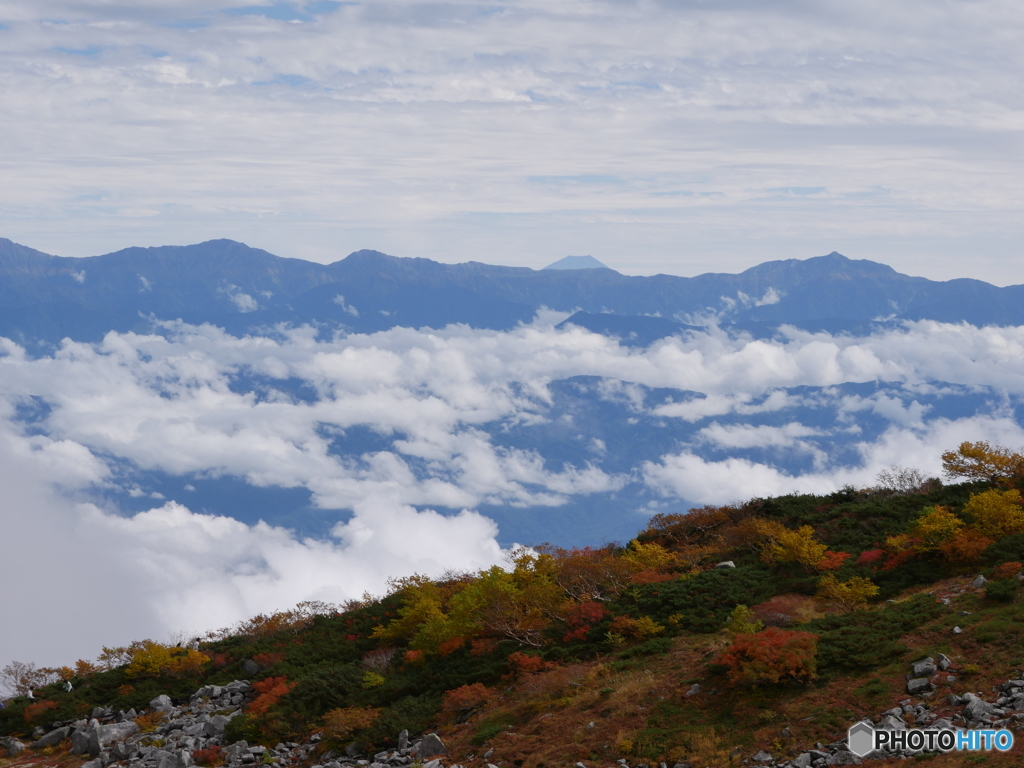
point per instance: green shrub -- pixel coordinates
(652, 647)
(867, 639)
(1002, 591)
(705, 601)
(416, 713)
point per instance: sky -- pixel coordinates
(676, 136)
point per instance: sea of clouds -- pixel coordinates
(82, 570)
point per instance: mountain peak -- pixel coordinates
(577, 262)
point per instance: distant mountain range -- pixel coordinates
(45, 298)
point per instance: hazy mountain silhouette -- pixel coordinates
(45, 298)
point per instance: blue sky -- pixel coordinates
(673, 136)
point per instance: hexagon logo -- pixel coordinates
(860, 739)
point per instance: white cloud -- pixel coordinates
(747, 132)
(438, 401)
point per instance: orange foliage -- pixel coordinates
(450, 646)
(589, 573)
(125, 690)
(414, 657)
(784, 610)
(211, 757)
(1006, 571)
(832, 560)
(482, 646)
(467, 697)
(581, 617)
(268, 659)
(870, 556)
(771, 656)
(651, 577)
(966, 547)
(270, 692)
(340, 724)
(37, 709)
(525, 664)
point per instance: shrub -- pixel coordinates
(996, 513)
(1006, 571)
(640, 628)
(966, 547)
(784, 610)
(37, 709)
(150, 659)
(270, 691)
(703, 602)
(466, 698)
(373, 680)
(850, 595)
(340, 724)
(211, 757)
(526, 664)
(1004, 591)
(743, 622)
(771, 656)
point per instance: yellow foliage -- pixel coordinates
(996, 513)
(851, 595)
(982, 461)
(742, 621)
(935, 527)
(649, 557)
(784, 545)
(151, 659)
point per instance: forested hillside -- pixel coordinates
(771, 625)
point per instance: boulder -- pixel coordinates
(95, 763)
(979, 582)
(924, 667)
(803, 760)
(250, 667)
(102, 736)
(693, 690)
(79, 742)
(918, 685)
(431, 746)
(842, 757)
(403, 740)
(12, 746)
(725, 564)
(53, 738)
(162, 703)
(957, 630)
(762, 757)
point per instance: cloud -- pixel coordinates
(541, 129)
(402, 434)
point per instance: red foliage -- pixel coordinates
(870, 557)
(896, 559)
(270, 692)
(770, 656)
(482, 646)
(414, 657)
(268, 659)
(524, 664)
(781, 610)
(832, 560)
(37, 709)
(1006, 571)
(580, 617)
(218, 660)
(209, 757)
(651, 577)
(125, 690)
(467, 697)
(450, 646)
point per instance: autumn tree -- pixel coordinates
(341, 724)
(18, 677)
(996, 513)
(935, 527)
(743, 622)
(771, 656)
(982, 461)
(785, 545)
(851, 595)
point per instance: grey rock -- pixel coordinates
(52, 738)
(957, 630)
(924, 667)
(918, 685)
(803, 760)
(102, 736)
(945, 662)
(890, 723)
(843, 757)
(12, 746)
(725, 564)
(979, 582)
(432, 764)
(488, 753)
(403, 739)
(162, 703)
(693, 691)
(762, 757)
(250, 667)
(96, 763)
(352, 749)
(79, 742)
(431, 746)
(976, 709)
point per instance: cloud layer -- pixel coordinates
(658, 136)
(403, 438)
